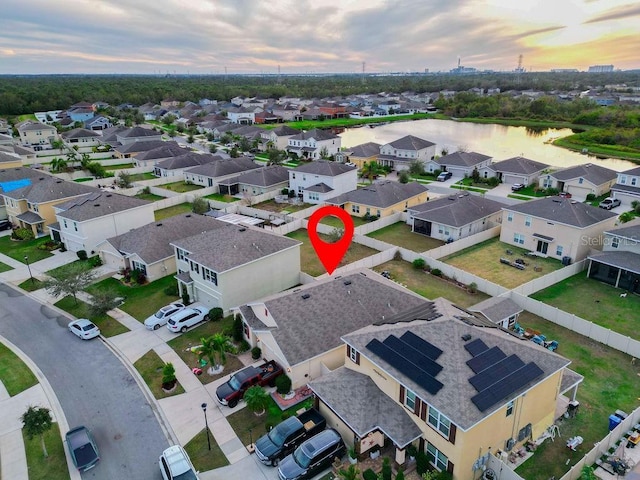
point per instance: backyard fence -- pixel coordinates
(467, 278)
(454, 247)
(373, 243)
(551, 278)
(381, 223)
(367, 262)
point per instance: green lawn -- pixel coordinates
(337, 223)
(203, 458)
(221, 198)
(611, 383)
(31, 284)
(181, 187)
(108, 326)
(56, 272)
(138, 177)
(83, 179)
(171, 211)
(149, 366)
(4, 267)
(15, 375)
(18, 249)
(309, 260)
(400, 234)
(471, 189)
(349, 122)
(121, 166)
(152, 197)
(272, 206)
(53, 467)
(429, 286)
(140, 301)
(594, 301)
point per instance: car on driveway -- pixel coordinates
(176, 465)
(609, 203)
(313, 456)
(443, 176)
(517, 187)
(83, 448)
(188, 317)
(564, 195)
(160, 318)
(84, 329)
(5, 225)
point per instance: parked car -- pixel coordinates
(176, 465)
(564, 195)
(444, 176)
(312, 456)
(609, 203)
(5, 225)
(232, 391)
(517, 186)
(160, 318)
(188, 317)
(83, 448)
(84, 329)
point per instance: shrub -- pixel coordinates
(419, 263)
(369, 474)
(172, 290)
(412, 451)
(398, 256)
(22, 234)
(168, 374)
(238, 329)
(285, 191)
(386, 469)
(436, 272)
(283, 384)
(185, 297)
(493, 181)
(591, 197)
(473, 287)
(256, 352)
(403, 177)
(82, 254)
(444, 475)
(422, 463)
(244, 346)
(138, 276)
(400, 475)
(216, 314)
(95, 261)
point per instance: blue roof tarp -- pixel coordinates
(14, 184)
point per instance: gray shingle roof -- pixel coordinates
(316, 133)
(30, 125)
(364, 407)
(380, 195)
(625, 188)
(285, 131)
(19, 173)
(9, 158)
(632, 171)
(154, 150)
(410, 142)
(30, 217)
(462, 159)
(143, 146)
(456, 210)
(497, 309)
(322, 167)
(562, 210)
(152, 242)
(365, 150)
(320, 188)
(235, 245)
(189, 159)
(454, 398)
(518, 165)
(98, 204)
(265, 176)
(224, 166)
(630, 230)
(46, 188)
(622, 259)
(590, 172)
(139, 132)
(79, 133)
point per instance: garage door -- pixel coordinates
(511, 179)
(577, 191)
(457, 171)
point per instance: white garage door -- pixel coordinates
(511, 179)
(578, 191)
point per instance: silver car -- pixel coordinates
(160, 318)
(175, 464)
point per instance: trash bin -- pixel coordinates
(614, 421)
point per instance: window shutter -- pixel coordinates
(416, 407)
(348, 351)
(358, 358)
(401, 394)
(452, 434)
(423, 412)
(449, 467)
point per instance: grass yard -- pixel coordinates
(483, 260)
(53, 467)
(181, 187)
(140, 301)
(400, 234)
(83, 179)
(56, 272)
(221, 198)
(120, 166)
(4, 267)
(337, 223)
(611, 382)
(108, 326)
(15, 375)
(244, 420)
(309, 260)
(429, 286)
(594, 301)
(272, 206)
(203, 458)
(19, 249)
(171, 211)
(31, 284)
(149, 366)
(152, 197)
(138, 177)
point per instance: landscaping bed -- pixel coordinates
(149, 366)
(400, 234)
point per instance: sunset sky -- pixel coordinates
(320, 36)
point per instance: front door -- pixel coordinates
(542, 247)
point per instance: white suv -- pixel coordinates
(188, 317)
(175, 464)
(160, 318)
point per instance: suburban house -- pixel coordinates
(499, 310)
(12, 178)
(177, 165)
(627, 187)
(287, 112)
(257, 181)
(381, 199)
(235, 264)
(148, 248)
(242, 115)
(317, 181)
(400, 153)
(556, 227)
(36, 134)
(85, 221)
(31, 205)
(619, 262)
(9, 160)
(146, 154)
(515, 170)
(454, 217)
(278, 137)
(314, 144)
(460, 164)
(98, 123)
(220, 169)
(457, 389)
(137, 134)
(361, 154)
(81, 137)
(26, 154)
(581, 180)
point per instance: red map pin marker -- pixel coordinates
(330, 254)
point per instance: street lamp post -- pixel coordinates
(206, 425)
(26, 259)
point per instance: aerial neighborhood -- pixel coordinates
(446, 340)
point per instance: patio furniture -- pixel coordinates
(574, 442)
(529, 332)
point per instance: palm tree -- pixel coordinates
(58, 164)
(37, 421)
(214, 350)
(371, 170)
(256, 399)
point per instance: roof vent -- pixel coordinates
(306, 295)
(58, 181)
(158, 224)
(347, 282)
(188, 215)
(242, 229)
(466, 337)
(96, 204)
(108, 195)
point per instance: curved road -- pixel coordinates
(94, 388)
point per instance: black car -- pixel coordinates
(313, 456)
(5, 225)
(83, 448)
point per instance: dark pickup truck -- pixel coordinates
(83, 448)
(231, 392)
(287, 435)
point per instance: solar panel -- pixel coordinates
(506, 387)
(486, 359)
(414, 356)
(497, 372)
(421, 345)
(476, 347)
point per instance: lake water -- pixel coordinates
(498, 141)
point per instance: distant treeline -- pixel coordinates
(27, 94)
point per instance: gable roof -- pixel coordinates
(79, 133)
(30, 125)
(9, 158)
(138, 132)
(365, 150)
(563, 210)
(322, 167)
(97, 204)
(629, 230)
(462, 159)
(595, 174)
(220, 167)
(383, 194)
(518, 165)
(47, 188)
(316, 134)
(265, 176)
(497, 309)
(409, 142)
(284, 131)
(456, 210)
(186, 160)
(154, 149)
(632, 171)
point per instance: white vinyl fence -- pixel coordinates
(381, 223)
(551, 278)
(461, 244)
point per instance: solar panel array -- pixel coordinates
(413, 356)
(497, 376)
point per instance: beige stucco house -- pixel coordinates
(360, 154)
(278, 137)
(36, 134)
(580, 180)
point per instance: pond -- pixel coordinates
(499, 141)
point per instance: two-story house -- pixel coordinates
(36, 135)
(556, 227)
(287, 112)
(314, 144)
(360, 154)
(400, 153)
(146, 154)
(178, 165)
(81, 137)
(317, 181)
(627, 187)
(235, 264)
(278, 137)
(85, 221)
(242, 115)
(580, 180)
(98, 122)
(137, 134)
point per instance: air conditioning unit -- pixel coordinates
(509, 444)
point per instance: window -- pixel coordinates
(559, 251)
(65, 223)
(141, 267)
(293, 176)
(623, 179)
(194, 267)
(355, 208)
(510, 217)
(410, 400)
(209, 276)
(437, 458)
(439, 421)
(182, 255)
(75, 226)
(633, 181)
(353, 355)
(245, 329)
(615, 242)
(581, 180)
(518, 238)
(527, 221)
(510, 408)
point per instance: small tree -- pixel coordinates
(404, 177)
(214, 348)
(283, 384)
(256, 399)
(213, 148)
(416, 167)
(419, 263)
(350, 473)
(103, 301)
(69, 280)
(216, 314)
(124, 180)
(190, 139)
(475, 175)
(37, 421)
(386, 469)
(256, 353)
(335, 235)
(168, 376)
(238, 329)
(200, 205)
